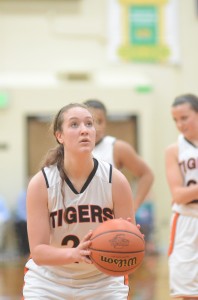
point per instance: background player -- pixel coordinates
(119, 153)
(182, 176)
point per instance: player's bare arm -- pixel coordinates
(122, 197)
(180, 194)
(126, 157)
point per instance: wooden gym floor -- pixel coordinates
(149, 282)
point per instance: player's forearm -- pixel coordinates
(49, 255)
(143, 188)
(184, 195)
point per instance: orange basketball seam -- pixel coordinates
(112, 251)
(118, 230)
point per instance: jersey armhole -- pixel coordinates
(110, 173)
(45, 176)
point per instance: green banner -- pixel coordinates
(143, 25)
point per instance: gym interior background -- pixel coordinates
(56, 52)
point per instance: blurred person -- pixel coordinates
(122, 155)
(20, 224)
(145, 216)
(182, 177)
(119, 153)
(66, 201)
(4, 220)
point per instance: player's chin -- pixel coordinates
(87, 146)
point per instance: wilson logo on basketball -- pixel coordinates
(119, 241)
(120, 262)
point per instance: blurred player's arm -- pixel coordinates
(180, 194)
(127, 157)
(122, 197)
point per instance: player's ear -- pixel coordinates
(58, 136)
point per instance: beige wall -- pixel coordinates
(39, 43)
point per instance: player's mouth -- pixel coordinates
(84, 141)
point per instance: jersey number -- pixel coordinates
(71, 238)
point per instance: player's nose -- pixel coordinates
(83, 129)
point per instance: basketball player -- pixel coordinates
(119, 153)
(182, 176)
(66, 201)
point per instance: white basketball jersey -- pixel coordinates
(104, 149)
(188, 162)
(72, 217)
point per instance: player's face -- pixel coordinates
(186, 120)
(100, 122)
(78, 132)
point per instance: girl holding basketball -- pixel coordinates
(182, 176)
(66, 201)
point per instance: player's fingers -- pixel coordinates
(85, 245)
(87, 236)
(85, 252)
(87, 260)
(139, 227)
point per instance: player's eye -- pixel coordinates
(89, 124)
(74, 124)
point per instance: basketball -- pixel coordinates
(117, 247)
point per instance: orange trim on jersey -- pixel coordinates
(126, 282)
(173, 233)
(126, 279)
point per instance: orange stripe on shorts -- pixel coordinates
(172, 234)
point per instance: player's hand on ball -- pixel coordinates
(139, 226)
(82, 252)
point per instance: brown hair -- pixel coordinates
(187, 98)
(97, 104)
(56, 154)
